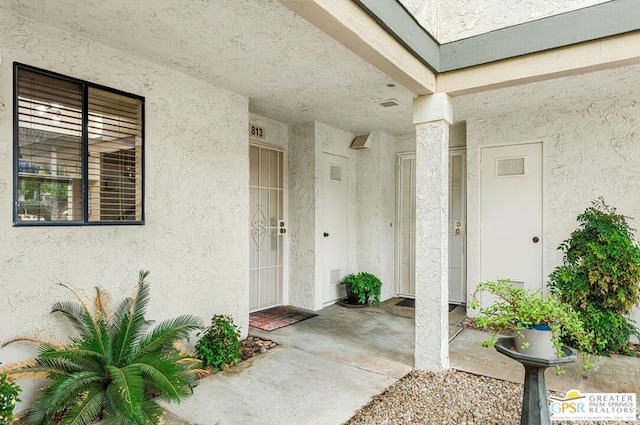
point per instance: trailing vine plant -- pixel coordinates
(600, 276)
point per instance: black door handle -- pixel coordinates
(326, 234)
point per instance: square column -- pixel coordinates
(432, 116)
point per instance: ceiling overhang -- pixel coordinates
(579, 26)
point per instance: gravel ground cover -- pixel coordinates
(450, 398)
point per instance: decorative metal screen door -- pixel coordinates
(266, 227)
(406, 233)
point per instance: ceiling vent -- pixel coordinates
(360, 142)
(389, 103)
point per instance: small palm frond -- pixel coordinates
(170, 378)
(126, 388)
(63, 393)
(160, 339)
(101, 304)
(38, 341)
(127, 327)
(74, 312)
(152, 412)
(87, 409)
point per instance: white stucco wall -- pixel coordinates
(452, 20)
(194, 241)
(376, 210)
(302, 207)
(590, 150)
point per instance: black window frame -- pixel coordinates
(85, 152)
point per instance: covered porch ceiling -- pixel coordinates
(289, 69)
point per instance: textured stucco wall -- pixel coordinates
(195, 237)
(376, 208)
(456, 19)
(590, 150)
(302, 216)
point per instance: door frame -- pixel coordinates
(285, 218)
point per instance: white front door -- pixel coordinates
(266, 227)
(406, 233)
(457, 228)
(335, 220)
(511, 215)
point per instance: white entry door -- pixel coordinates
(406, 226)
(266, 227)
(457, 228)
(511, 215)
(335, 229)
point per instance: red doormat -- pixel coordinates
(278, 317)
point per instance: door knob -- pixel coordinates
(283, 230)
(325, 234)
(536, 239)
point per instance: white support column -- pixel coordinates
(432, 116)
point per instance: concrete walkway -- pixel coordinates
(327, 367)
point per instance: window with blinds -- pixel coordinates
(78, 151)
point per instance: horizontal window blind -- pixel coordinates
(115, 148)
(62, 171)
(49, 148)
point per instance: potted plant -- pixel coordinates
(361, 286)
(533, 319)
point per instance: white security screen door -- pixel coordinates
(511, 215)
(406, 175)
(457, 228)
(266, 227)
(335, 230)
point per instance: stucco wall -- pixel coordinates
(456, 19)
(376, 208)
(194, 241)
(302, 206)
(590, 150)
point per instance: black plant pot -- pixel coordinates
(352, 298)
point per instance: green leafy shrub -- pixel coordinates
(219, 344)
(9, 391)
(114, 366)
(600, 275)
(364, 285)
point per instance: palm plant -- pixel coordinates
(115, 365)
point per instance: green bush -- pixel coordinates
(600, 275)
(219, 344)
(113, 367)
(364, 285)
(8, 398)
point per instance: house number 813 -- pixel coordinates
(256, 132)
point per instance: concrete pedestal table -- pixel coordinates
(535, 405)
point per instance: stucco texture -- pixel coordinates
(589, 149)
(194, 240)
(457, 19)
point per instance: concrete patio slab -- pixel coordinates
(328, 367)
(286, 386)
